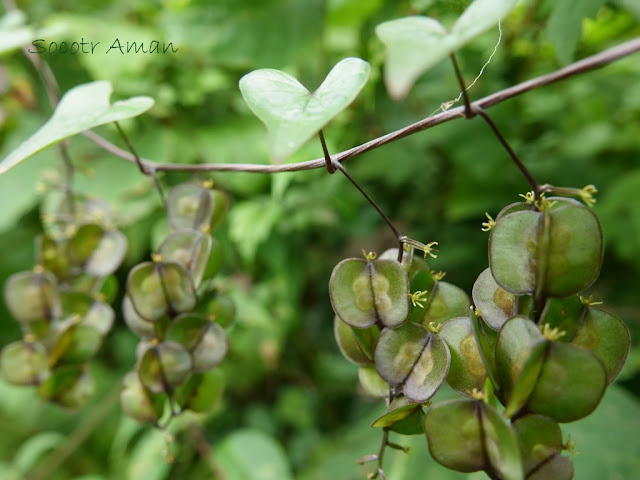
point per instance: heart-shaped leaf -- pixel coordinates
(415, 44)
(81, 108)
(290, 112)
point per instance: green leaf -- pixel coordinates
(252, 455)
(415, 44)
(290, 112)
(81, 108)
(565, 25)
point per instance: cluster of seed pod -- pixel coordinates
(171, 304)
(531, 343)
(403, 352)
(62, 304)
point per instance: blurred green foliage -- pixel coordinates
(291, 408)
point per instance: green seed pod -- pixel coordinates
(607, 337)
(413, 358)
(201, 392)
(221, 204)
(138, 402)
(467, 370)
(559, 380)
(469, 435)
(96, 251)
(364, 292)
(32, 296)
(206, 340)
(217, 307)
(399, 409)
(164, 366)
(446, 301)
(540, 440)
(555, 252)
(571, 383)
(70, 386)
(372, 383)
(495, 304)
(135, 322)
(24, 363)
(350, 345)
(519, 355)
(190, 207)
(189, 248)
(158, 289)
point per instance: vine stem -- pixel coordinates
(471, 110)
(149, 170)
(399, 238)
(485, 116)
(587, 64)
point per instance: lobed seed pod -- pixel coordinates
(467, 370)
(205, 340)
(189, 248)
(540, 440)
(32, 296)
(190, 207)
(138, 402)
(414, 359)
(559, 380)
(24, 363)
(554, 252)
(164, 366)
(470, 435)
(364, 292)
(157, 289)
